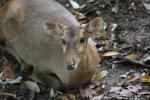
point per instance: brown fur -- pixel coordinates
(87, 67)
(24, 26)
(2, 12)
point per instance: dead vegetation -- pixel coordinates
(123, 43)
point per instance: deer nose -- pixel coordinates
(70, 66)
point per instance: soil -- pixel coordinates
(133, 22)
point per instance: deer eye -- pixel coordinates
(82, 40)
(63, 41)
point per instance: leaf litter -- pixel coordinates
(128, 80)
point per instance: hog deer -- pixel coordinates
(43, 33)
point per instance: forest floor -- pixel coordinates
(125, 53)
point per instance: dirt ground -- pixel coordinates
(132, 33)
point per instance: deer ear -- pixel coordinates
(55, 29)
(16, 13)
(95, 26)
(60, 28)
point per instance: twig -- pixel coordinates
(7, 94)
(132, 62)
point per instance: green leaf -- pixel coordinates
(101, 75)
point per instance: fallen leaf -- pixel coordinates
(115, 9)
(87, 93)
(1, 74)
(144, 92)
(90, 1)
(114, 89)
(132, 56)
(32, 86)
(133, 78)
(112, 33)
(111, 53)
(52, 93)
(145, 79)
(121, 93)
(103, 36)
(147, 6)
(79, 15)
(125, 93)
(7, 94)
(98, 97)
(74, 4)
(134, 89)
(114, 96)
(12, 81)
(146, 60)
(8, 72)
(124, 75)
(101, 75)
(66, 97)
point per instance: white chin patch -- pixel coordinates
(76, 66)
(91, 41)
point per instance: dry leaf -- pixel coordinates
(133, 78)
(114, 89)
(111, 53)
(66, 97)
(32, 86)
(101, 75)
(12, 81)
(125, 93)
(87, 93)
(115, 9)
(132, 56)
(74, 4)
(134, 89)
(124, 75)
(147, 6)
(8, 71)
(144, 93)
(146, 60)
(98, 97)
(145, 79)
(7, 94)
(79, 15)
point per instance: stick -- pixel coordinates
(7, 94)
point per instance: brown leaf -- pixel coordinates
(8, 72)
(145, 79)
(67, 97)
(131, 79)
(134, 77)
